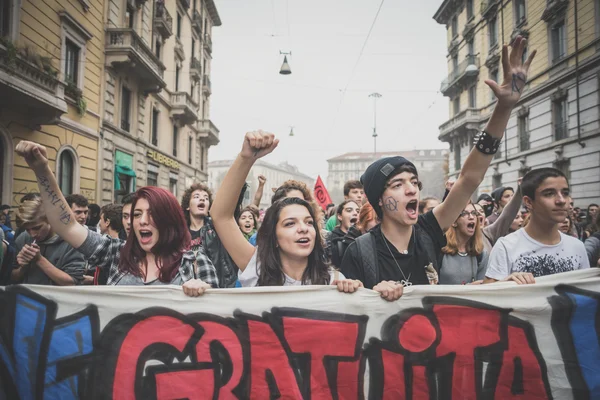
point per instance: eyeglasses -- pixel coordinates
(474, 214)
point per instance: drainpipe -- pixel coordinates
(581, 143)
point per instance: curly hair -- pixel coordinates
(187, 196)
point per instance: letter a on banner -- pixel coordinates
(321, 194)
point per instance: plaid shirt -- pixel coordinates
(105, 252)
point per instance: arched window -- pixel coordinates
(67, 170)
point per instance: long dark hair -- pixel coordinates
(174, 237)
(269, 259)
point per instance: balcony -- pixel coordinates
(464, 121)
(184, 108)
(163, 22)
(209, 132)
(126, 50)
(488, 8)
(197, 22)
(195, 69)
(30, 87)
(554, 9)
(207, 43)
(465, 72)
(179, 52)
(206, 85)
(185, 3)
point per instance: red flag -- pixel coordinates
(321, 194)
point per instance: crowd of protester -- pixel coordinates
(383, 236)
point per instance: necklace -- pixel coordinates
(462, 254)
(406, 281)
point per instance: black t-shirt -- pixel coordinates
(411, 264)
(196, 240)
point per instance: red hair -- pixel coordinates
(174, 237)
(366, 215)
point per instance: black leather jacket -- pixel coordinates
(226, 269)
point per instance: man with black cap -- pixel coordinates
(405, 249)
(501, 196)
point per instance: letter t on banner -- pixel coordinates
(321, 194)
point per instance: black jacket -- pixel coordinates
(226, 269)
(340, 242)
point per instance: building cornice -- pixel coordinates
(446, 10)
(212, 11)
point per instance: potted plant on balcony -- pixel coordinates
(77, 95)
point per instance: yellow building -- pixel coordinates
(51, 61)
(156, 128)
(557, 120)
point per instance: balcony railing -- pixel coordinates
(206, 87)
(487, 7)
(468, 68)
(464, 120)
(197, 22)
(163, 22)
(184, 107)
(195, 69)
(207, 42)
(209, 131)
(26, 84)
(125, 47)
(561, 130)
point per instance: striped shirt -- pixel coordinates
(105, 252)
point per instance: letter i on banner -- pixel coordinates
(321, 194)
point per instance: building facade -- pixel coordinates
(430, 164)
(156, 120)
(557, 120)
(275, 174)
(51, 58)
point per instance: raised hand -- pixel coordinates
(514, 73)
(258, 144)
(35, 154)
(262, 180)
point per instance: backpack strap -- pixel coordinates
(435, 256)
(367, 254)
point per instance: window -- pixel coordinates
(130, 16)
(152, 179)
(175, 139)
(497, 181)
(72, 62)
(154, 138)
(493, 32)
(173, 183)
(457, 163)
(202, 157)
(158, 48)
(494, 77)
(525, 55)
(520, 13)
(469, 9)
(523, 132)
(560, 119)
(190, 149)
(456, 105)
(454, 27)
(178, 25)
(471, 47)
(559, 41)
(125, 108)
(177, 70)
(5, 18)
(473, 96)
(66, 168)
(193, 48)
(455, 64)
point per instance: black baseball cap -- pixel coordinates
(377, 174)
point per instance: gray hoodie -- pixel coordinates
(59, 253)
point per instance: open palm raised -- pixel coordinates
(514, 71)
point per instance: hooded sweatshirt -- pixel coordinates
(59, 253)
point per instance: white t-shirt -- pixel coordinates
(518, 252)
(249, 278)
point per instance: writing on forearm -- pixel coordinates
(55, 200)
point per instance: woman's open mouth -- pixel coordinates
(145, 236)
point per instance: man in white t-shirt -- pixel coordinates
(540, 248)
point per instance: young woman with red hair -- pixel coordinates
(157, 249)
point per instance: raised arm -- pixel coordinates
(57, 210)
(477, 162)
(256, 145)
(259, 192)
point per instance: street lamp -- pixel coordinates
(375, 96)
(285, 67)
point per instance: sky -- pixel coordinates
(334, 70)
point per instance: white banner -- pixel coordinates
(499, 341)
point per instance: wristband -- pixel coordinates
(486, 143)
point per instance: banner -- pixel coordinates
(321, 194)
(499, 341)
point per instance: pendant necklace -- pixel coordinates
(406, 281)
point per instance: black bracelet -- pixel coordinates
(486, 143)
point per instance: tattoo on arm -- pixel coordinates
(515, 82)
(65, 212)
(390, 204)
